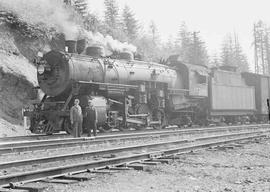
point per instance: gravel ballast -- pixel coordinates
(240, 167)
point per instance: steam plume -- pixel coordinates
(54, 14)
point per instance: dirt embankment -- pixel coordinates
(17, 80)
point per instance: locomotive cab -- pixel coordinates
(188, 99)
(194, 77)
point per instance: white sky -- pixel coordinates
(213, 18)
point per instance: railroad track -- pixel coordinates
(24, 146)
(50, 167)
(63, 135)
(33, 137)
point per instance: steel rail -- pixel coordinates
(51, 141)
(73, 156)
(72, 142)
(33, 137)
(83, 167)
(64, 135)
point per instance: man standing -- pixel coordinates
(91, 118)
(76, 118)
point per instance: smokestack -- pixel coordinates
(81, 44)
(71, 46)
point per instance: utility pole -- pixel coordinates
(266, 40)
(262, 51)
(257, 70)
(195, 47)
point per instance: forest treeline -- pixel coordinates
(123, 25)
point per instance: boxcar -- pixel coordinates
(261, 84)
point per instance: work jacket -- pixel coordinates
(90, 115)
(76, 113)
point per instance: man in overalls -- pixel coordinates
(91, 118)
(76, 118)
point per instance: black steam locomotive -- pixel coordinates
(132, 93)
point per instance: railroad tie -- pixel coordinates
(139, 167)
(28, 188)
(167, 161)
(77, 177)
(104, 171)
(12, 190)
(120, 168)
(150, 163)
(59, 180)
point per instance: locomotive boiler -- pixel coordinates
(124, 91)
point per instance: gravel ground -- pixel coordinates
(37, 154)
(242, 167)
(106, 145)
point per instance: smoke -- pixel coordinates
(45, 14)
(54, 14)
(108, 42)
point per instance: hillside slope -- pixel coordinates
(18, 78)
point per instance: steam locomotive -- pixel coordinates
(138, 94)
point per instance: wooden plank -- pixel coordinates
(104, 171)
(120, 168)
(162, 160)
(173, 157)
(29, 188)
(62, 181)
(12, 190)
(150, 162)
(140, 167)
(77, 177)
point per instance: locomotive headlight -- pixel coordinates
(40, 69)
(40, 54)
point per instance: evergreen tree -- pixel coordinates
(184, 42)
(191, 48)
(111, 17)
(214, 61)
(198, 53)
(81, 7)
(130, 24)
(149, 44)
(92, 23)
(261, 48)
(232, 54)
(240, 58)
(227, 52)
(168, 48)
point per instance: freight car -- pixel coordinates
(261, 84)
(130, 93)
